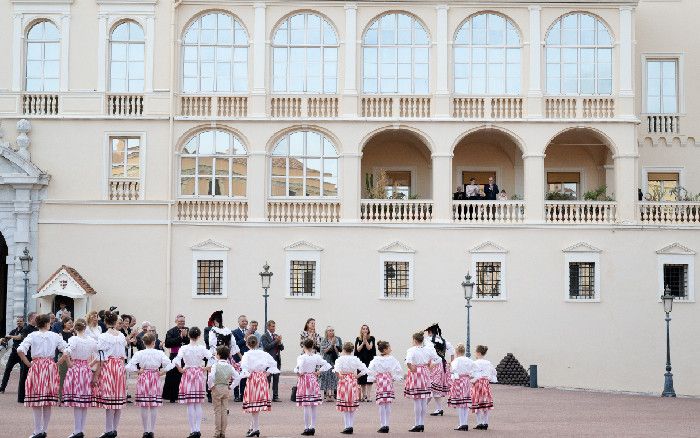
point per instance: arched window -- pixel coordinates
(43, 57)
(579, 56)
(304, 163)
(213, 163)
(126, 69)
(215, 55)
(487, 56)
(305, 55)
(395, 54)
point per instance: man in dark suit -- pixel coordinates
(240, 335)
(23, 370)
(16, 337)
(175, 338)
(272, 344)
(491, 190)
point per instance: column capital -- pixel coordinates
(626, 8)
(534, 8)
(351, 6)
(259, 5)
(525, 156)
(442, 156)
(442, 7)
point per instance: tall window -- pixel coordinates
(215, 55)
(127, 48)
(579, 56)
(125, 157)
(213, 163)
(304, 163)
(487, 56)
(662, 87)
(305, 56)
(43, 57)
(395, 53)
(488, 279)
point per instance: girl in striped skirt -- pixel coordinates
(439, 372)
(192, 391)
(418, 361)
(150, 364)
(348, 367)
(309, 365)
(110, 375)
(383, 370)
(41, 386)
(460, 397)
(257, 365)
(77, 391)
(482, 399)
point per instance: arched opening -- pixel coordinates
(396, 164)
(3, 285)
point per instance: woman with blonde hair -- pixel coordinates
(331, 345)
(93, 329)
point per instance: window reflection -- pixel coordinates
(43, 57)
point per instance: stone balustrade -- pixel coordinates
(580, 212)
(211, 210)
(125, 105)
(663, 123)
(579, 107)
(488, 212)
(669, 213)
(124, 189)
(396, 211)
(40, 104)
(318, 211)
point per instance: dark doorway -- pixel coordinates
(3, 285)
(58, 299)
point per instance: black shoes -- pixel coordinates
(347, 431)
(482, 426)
(463, 427)
(309, 432)
(436, 413)
(39, 435)
(238, 399)
(276, 399)
(253, 433)
(383, 429)
(111, 434)
(148, 435)
(420, 428)
(77, 435)
(194, 435)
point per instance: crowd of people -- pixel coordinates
(84, 363)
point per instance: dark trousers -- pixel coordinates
(171, 386)
(240, 389)
(275, 378)
(23, 371)
(11, 362)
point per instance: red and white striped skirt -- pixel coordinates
(481, 395)
(385, 388)
(418, 383)
(348, 399)
(41, 386)
(192, 388)
(77, 389)
(308, 391)
(149, 393)
(460, 392)
(236, 365)
(256, 397)
(112, 387)
(440, 380)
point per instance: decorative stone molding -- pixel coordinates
(397, 247)
(302, 245)
(582, 247)
(23, 128)
(488, 247)
(677, 249)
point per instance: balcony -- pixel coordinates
(508, 107)
(124, 189)
(396, 211)
(382, 106)
(663, 123)
(289, 107)
(580, 212)
(125, 105)
(669, 213)
(40, 104)
(563, 107)
(488, 212)
(211, 210)
(304, 211)
(213, 106)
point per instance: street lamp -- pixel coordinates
(265, 277)
(468, 287)
(26, 263)
(667, 298)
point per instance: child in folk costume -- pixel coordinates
(221, 335)
(41, 387)
(383, 370)
(347, 366)
(482, 399)
(257, 365)
(77, 391)
(150, 364)
(460, 397)
(110, 375)
(439, 371)
(192, 391)
(418, 360)
(222, 379)
(309, 365)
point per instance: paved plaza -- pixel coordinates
(519, 412)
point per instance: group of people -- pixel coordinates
(242, 364)
(473, 192)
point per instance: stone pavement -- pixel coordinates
(519, 412)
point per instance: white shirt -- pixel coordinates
(93, 332)
(462, 365)
(472, 190)
(449, 349)
(59, 314)
(42, 344)
(346, 363)
(384, 364)
(111, 345)
(149, 359)
(212, 374)
(222, 331)
(484, 368)
(310, 363)
(422, 356)
(81, 348)
(193, 356)
(257, 360)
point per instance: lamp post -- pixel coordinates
(667, 298)
(468, 287)
(265, 277)
(26, 263)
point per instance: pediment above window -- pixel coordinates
(397, 247)
(677, 249)
(488, 248)
(582, 247)
(302, 245)
(15, 169)
(210, 245)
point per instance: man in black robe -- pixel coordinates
(175, 338)
(23, 370)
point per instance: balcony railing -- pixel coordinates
(212, 210)
(220, 106)
(125, 105)
(124, 189)
(580, 212)
(414, 107)
(319, 211)
(488, 212)
(663, 124)
(40, 104)
(508, 107)
(579, 107)
(301, 106)
(670, 213)
(396, 211)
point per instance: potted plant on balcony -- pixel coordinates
(598, 194)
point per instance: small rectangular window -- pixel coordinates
(398, 184)
(210, 274)
(396, 279)
(564, 182)
(125, 160)
(302, 278)
(582, 280)
(488, 279)
(676, 280)
(662, 185)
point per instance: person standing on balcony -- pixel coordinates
(491, 190)
(472, 190)
(503, 196)
(459, 195)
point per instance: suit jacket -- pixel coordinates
(491, 194)
(272, 348)
(239, 337)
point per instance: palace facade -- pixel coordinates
(166, 151)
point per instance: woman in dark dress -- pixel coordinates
(365, 350)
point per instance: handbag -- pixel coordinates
(294, 393)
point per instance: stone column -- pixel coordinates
(442, 188)
(65, 53)
(150, 44)
(626, 187)
(257, 186)
(349, 101)
(17, 45)
(442, 88)
(625, 106)
(351, 188)
(257, 101)
(534, 92)
(102, 42)
(534, 188)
